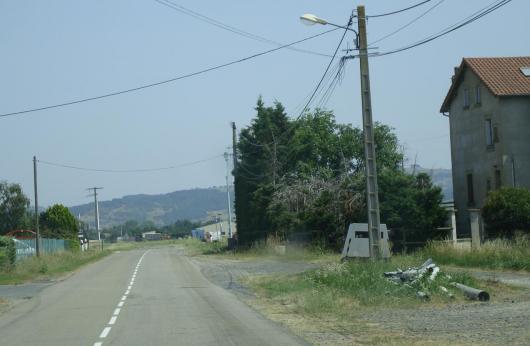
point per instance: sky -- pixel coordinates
(58, 51)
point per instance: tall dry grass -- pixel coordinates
(494, 254)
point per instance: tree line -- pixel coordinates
(304, 178)
(55, 222)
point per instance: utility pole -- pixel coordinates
(96, 212)
(372, 199)
(228, 197)
(37, 236)
(234, 144)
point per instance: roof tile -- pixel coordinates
(502, 76)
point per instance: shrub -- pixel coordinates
(8, 252)
(72, 245)
(507, 210)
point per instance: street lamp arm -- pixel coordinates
(344, 27)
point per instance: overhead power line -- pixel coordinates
(315, 91)
(408, 24)
(468, 20)
(140, 170)
(230, 28)
(398, 11)
(174, 79)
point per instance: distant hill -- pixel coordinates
(161, 209)
(440, 176)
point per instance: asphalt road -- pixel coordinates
(154, 297)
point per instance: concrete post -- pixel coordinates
(452, 216)
(474, 219)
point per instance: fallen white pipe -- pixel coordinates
(472, 293)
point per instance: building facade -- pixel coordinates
(488, 106)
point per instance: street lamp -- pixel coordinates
(372, 198)
(311, 19)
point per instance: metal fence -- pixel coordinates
(26, 247)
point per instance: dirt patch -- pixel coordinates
(230, 273)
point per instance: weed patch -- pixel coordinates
(357, 283)
(48, 265)
(495, 254)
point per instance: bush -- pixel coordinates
(507, 210)
(8, 252)
(72, 245)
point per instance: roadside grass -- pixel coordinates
(494, 254)
(48, 266)
(326, 305)
(259, 250)
(196, 247)
(337, 287)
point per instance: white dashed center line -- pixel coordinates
(117, 311)
(105, 332)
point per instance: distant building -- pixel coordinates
(152, 235)
(488, 106)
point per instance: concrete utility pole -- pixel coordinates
(372, 199)
(234, 144)
(228, 197)
(96, 212)
(37, 232)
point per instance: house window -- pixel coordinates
(466, 98)
(478, 96)
(489, 133)
(498, 181)
(495, 135)
(470, 192)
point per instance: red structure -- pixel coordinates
(22, 234)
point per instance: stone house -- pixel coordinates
(488, 106)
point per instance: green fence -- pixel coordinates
(26, 247)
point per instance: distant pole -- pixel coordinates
(37, 232)
(234, 144)
(96, 213)
(228, 197)
(372, 198)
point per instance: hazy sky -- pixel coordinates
(58, 51)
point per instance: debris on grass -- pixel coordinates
(426, 279)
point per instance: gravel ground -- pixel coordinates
(227, 273)
(503, 321)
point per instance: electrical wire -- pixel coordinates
(337, 79)
(408, 24)
(146, 86)
(230, 28)
(316, 89)
(398, 11)
(142, 170)
(468, 20)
